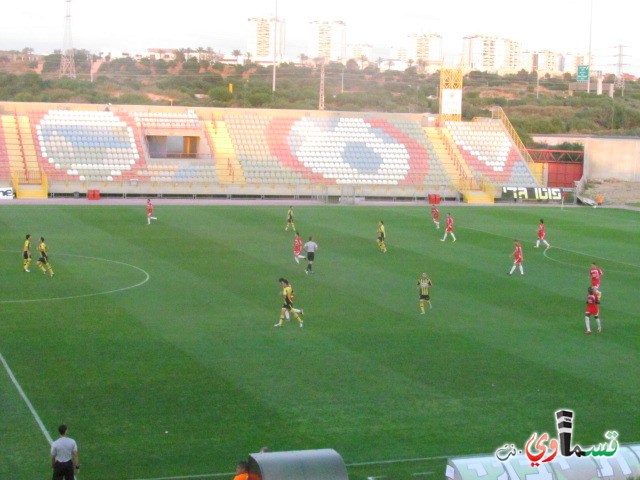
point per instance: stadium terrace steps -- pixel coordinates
(228, 168)
(24, 170)
(445, 154)
(477, 196)
(5, 171)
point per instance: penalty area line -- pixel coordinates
(26, 399)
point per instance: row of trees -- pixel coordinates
(534, 105)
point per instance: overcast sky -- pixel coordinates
(133, 26)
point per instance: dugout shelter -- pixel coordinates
(322, 464)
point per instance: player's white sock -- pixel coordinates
(599, 323)
(453, 236)
(587, 323)
(521, 270)
(512, 269)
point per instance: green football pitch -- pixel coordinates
(156, 345)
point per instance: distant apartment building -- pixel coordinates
(328, 40)
(166, 54)
(425, 51)
(552, 63)
(528, 61)
(266, 39)
(571, 61)
(549, 62)
(361, 52)
(491, 54)
(398, 58)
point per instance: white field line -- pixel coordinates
(106, 292)
(26, 400)
(553, 247)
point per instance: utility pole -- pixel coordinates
(67, 62)
(275, 47)
(321, 94)
(590, 34)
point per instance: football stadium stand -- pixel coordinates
(133, 150)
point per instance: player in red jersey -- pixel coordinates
(297, 248)
(541, 235)
(150, 212)
(592, 310)
(436, 215)
(596, 273)
(517, 258)
(449, 229)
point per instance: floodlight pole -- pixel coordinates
(275, 47)
(590, 34)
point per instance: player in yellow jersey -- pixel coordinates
(424, 283)
(43, 261)
(290, 222)
(26, 253)
(382, 235)
(287, 306)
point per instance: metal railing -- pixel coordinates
(498, 113)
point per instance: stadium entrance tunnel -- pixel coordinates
(323, 464)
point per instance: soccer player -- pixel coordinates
(541, 235)
(26, 253)
(43, 262)
(310, 247)
(449, 229)
(517, 258)
(293, 309)
(424, 283)
(596, 273)
(242, 471)
(436, 215)
(290, 220)
(287, 306)
(382, 235)
(592, 310)
(150, 212)
(297, 248)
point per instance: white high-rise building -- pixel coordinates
(263, 32)
(361, 53)
(571, 61)
(528, 61)
(328, 40)
(549, 62)
(491, 54)
(425, 51)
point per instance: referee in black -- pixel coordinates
(64, 456)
